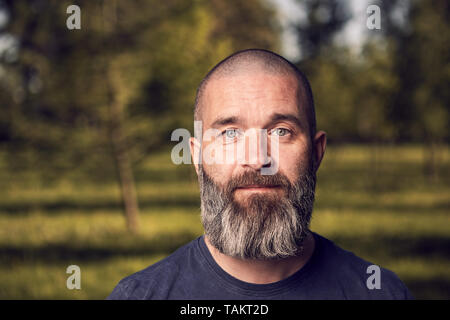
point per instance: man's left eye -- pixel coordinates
(231, 133)
(280, 131)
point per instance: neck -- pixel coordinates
(263, 271)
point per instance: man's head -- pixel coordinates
(250, 60)
(246, 214)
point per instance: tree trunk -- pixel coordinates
(117, 137)
(121, 157)
(431, 162)
(374, 166)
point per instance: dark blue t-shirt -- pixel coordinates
(192, 273)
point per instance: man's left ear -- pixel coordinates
(319, 144)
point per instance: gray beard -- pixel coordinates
(264, 226)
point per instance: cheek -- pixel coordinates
(220, 160)
(290, 166)
(218, 152)
(219, 172)
(294, 160)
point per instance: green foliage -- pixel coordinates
(146, 56)
(431, 43)
(57, 87)
(403, 227)
(353, 93)
(395, 89)
(324, 18)
(247, 24)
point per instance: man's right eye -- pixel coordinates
(230, 133)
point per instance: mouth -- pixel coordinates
(257, 187)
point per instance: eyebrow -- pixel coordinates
(276, 117)
(221, 121)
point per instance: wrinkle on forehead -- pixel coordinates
(251, 95)
(254, 61)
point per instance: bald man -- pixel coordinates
(257, 243)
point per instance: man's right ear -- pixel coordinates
(195, 147)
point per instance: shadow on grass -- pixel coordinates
(384, 250)
(380, 207)
(174, 174)
(55, 207)
(381, 250)
(76, 253)
(84, 206)
(396, 247)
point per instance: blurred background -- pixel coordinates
(86, 117)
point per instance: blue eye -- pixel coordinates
(280, 131)
(231, 133)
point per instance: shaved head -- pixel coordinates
(247, 213)
(256, 61)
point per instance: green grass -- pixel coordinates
(385, 211)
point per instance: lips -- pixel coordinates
(254, 186)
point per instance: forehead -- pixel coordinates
(250, 96)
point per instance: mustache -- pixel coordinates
(278, 228)
(254, 178)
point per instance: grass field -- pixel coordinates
(385, 211)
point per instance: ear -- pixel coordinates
(319, 145)
(195, 147)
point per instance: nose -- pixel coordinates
(254, 151)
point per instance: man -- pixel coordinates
(257, 243)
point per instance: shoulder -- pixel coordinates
(359, 278)
(161, 275)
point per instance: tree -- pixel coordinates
(248, 24)
(324, 19)
(431, 44)
(421, 62)
(105, 96)
(81, 114)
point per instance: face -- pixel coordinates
(240, 105)
(247, 214)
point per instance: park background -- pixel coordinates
(86, 117)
